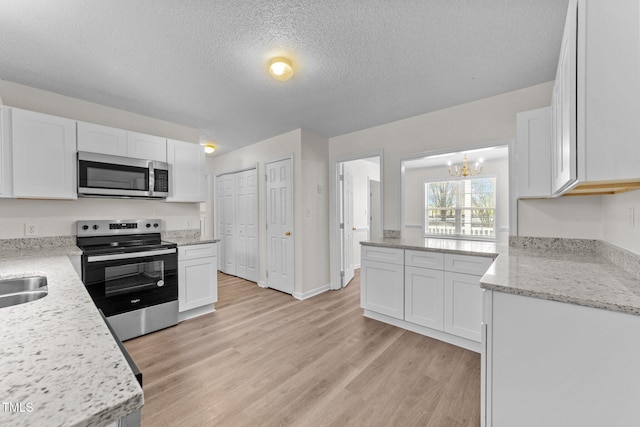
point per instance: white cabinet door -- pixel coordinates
(462, 305)
(533, 151)
(564, 150)
(197, 276)
(147, 147)
(556, 364)
(610, 106)
(382, 288)
(6, 169)
(423, 296)
(198, 284)
(102, 139)
(44, 155)
(186, 161)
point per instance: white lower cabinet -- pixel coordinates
(384, 289)
(197, 279)
(424, 293)
(549, 363)
(462, 305)
(431, 293)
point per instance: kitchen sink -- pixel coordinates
(22, 290)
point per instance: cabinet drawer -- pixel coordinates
(467, 264)
(381, 254)
(197, 251)
(424, 259)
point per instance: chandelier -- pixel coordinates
(465, 171)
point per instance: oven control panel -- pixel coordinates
(89, 228)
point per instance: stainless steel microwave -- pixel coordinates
(102, 175)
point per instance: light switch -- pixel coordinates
(308, 212)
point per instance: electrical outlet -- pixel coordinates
(188, 224)
(30, 229)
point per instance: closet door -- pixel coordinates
(251, 231)
(220, 221)
(238, 224)
(241, 224)
(229, 221)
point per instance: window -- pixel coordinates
(461, 208)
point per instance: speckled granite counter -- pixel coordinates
(466, 247)
(57, 357)
(565, 270)
(186, 241)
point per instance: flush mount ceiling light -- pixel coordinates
(280, 68)
(209, 148)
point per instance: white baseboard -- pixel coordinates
(423, 330)
(195, 312)
(262, 284)
(312, 293)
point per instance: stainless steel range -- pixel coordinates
(131, 274)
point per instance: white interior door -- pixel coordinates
(240, 241)
(228, 226)
(280, 259)
(251, 230)
(348, 228)
(220, 220)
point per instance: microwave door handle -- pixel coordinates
(112, 257)
(151, 178)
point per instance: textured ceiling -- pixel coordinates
(203, 63)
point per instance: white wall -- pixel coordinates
(413, 205)
(55, 217)
(278, 147)
(311, 168)
(315, 212)
(455, 128)
(619, 226)
(576, 217)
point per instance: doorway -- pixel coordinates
(359, 213)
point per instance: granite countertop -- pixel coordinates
(455, 246)
(569, 271)
(58, 360)
(187, 241)
(581, 278)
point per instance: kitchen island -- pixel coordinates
(59, 364)
(559, 325)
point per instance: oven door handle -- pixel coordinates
(130, 255)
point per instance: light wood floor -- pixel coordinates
(266, 359)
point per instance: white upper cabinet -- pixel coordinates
(44, 155)
(102, 139)
(608, 119)
(533, 150)
(595, 96)
(187, 164)
(148, 147)
(564, 103)
(6, 170)
(119, 142)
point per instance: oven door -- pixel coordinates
(101, 174)
(123, 282)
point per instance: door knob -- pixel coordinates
(288, 233)
(354, 229)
